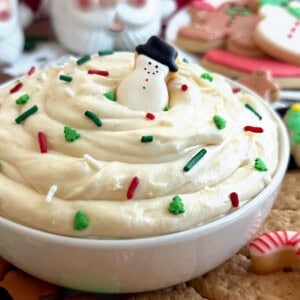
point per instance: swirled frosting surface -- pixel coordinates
(93, 174)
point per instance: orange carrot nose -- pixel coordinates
(5, 11)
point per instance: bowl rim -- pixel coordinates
(172, 238)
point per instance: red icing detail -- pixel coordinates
(289, 36)
(248, 64)
(253, 129)
(236, 90)
(150, 116)
(252, 244)
(269, 236)
(16, 88)
(234, 197)
(259, 239)
(295, 239)
(199, 4)
(184, 87)
(42, 142)
(279, 237)
(31, 71)
(98, 72)
(132, 187)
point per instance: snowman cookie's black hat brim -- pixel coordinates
(160, 51)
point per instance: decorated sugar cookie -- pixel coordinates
(261, 82)
(278, 32)
(145, 88)
(275, 251)
(230, 26)
(286, 75)
(292, 119)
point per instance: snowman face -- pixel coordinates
(150, 68)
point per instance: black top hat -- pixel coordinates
(160, 51)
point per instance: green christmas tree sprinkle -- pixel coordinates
(207, 76)
(81, 221)
(167, 108)
(176, 206)
(260, 165)
(219, 122)
(23, 99)
(71, 134)
(110, 96)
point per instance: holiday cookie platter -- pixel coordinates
(125, 172)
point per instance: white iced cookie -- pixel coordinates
(278, 32)
(274, 251)
(145, 88)
(11, 34)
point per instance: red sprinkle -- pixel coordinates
(150, 116)
(254, 129)
(234, 197)
(42, 142)
(132, 187)
(184, 87)
(16, 87)
(98, 72)
(236, 90)
(31, 71)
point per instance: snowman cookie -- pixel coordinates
(145, 88)
(278, 32)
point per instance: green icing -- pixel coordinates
(219, 122)
(176, 206)
(110, 96)
(293, 123)
(260, 165)
(273, 2)
(71, 134)
(81, 221)
(295, 11)
(242, 12)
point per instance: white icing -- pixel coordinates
(145, 88)
(94, 172)
(277, 25)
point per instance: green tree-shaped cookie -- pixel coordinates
(81, 221)
(71, 134)
(260, 165)
(176, 206)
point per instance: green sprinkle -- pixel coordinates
(194, 160)
(167, 108)
(185, 61)
(260, 165)
(94, 118)
(105, 52)
(147, 139)
(207, 76)
(81, 221)
(144, 87)
(176, 206)
(23, 99)
(71, 134)
(110, 96)
(219, 122)
(83, 60)
(42, 59)
(65, 78)
(26, 114)
(248, 106)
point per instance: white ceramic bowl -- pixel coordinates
(135, 265)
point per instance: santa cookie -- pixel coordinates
(278, 32)
(11, 35)
(230, 26)
(286, 75)
(275, 251)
